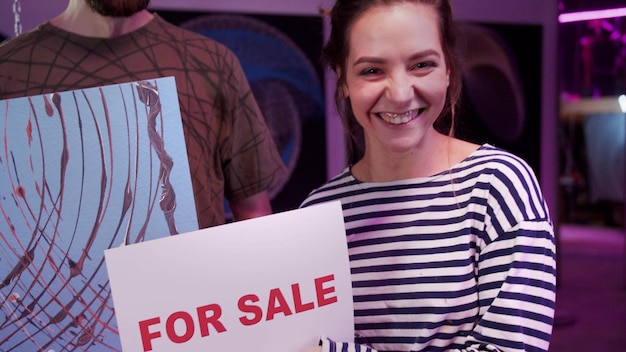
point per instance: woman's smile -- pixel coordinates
(400, 118)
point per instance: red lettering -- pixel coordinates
(322, 300)
(297, 300)
(146, 335)
(213, 319)
(171, 331)
(277, 304)
(254, 310)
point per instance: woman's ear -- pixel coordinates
(344, 86)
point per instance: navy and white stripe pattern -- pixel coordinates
(459, 261)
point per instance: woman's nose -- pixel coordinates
(400, 88)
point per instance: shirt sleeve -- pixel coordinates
(250, 158)
(516, 266)
(329, 345)
(516, 290)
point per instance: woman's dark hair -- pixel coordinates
(336, 50)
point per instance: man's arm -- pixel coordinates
(251, 207)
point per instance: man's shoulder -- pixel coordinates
(187, 37)
(178, 31)
(23, 40)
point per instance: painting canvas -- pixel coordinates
(80, 172)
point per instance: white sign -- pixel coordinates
(275, 283)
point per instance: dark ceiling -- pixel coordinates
(583, 5)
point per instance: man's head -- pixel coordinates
(117, 8)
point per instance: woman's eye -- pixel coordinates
(424, 65)
(370, 71)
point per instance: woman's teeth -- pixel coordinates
(398, 119)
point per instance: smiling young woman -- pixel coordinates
(451, 244)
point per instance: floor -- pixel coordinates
(591, 291)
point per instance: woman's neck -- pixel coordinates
(441, 154)
(383, 166)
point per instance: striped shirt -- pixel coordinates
(460, 261)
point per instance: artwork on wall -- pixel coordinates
(501, 102)
(83, 171)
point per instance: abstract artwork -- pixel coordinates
(80, 172)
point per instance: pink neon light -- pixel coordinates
(592, 15)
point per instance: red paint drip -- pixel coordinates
(20, 191)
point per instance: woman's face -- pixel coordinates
(396, 76)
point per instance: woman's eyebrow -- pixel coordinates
(377, 60)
